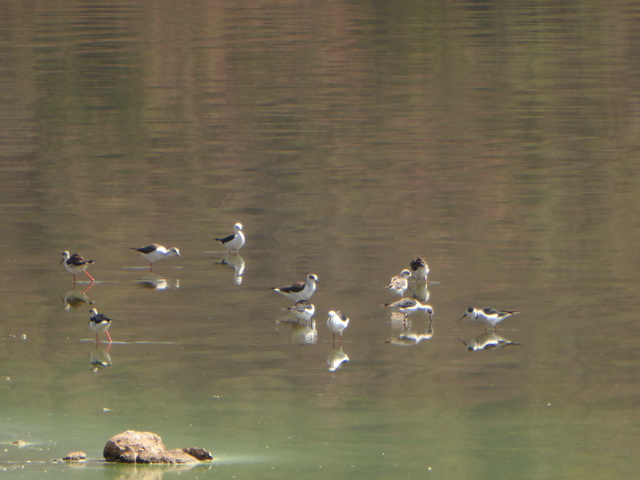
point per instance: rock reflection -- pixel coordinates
(236, 262)
(336, 358)
(72, 299)
(487, 341)
(150, 472)
(99, 358)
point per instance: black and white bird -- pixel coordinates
(337, 322)
(419, 269)
(99, 323)
(235, 241)
(76, 264)
(488, 316)
(487, 341)
(300, 290)
(303, 310)
(409, 306)
(154, 252)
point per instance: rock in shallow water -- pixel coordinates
(75, 457)
(147, 447)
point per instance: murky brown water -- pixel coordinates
(497, 142)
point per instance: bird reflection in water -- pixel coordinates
(420, 291)
(487, 341)
(235, 261)
(99, 358)
(156, 282)
(408, 337)
(73, 299)
(303, 333)
(336, 358)
(303, 325)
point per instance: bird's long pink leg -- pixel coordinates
(109, 336)
(87, 274)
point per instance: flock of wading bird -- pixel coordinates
(414, 279)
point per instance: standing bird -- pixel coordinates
(337, 322)
(303, 310)
(99, 323)
(419, 269)
(399, 283)
(489, 316)
(235, 241)
(76, 264)
(300, 290)
(408, 306)
(154, 252)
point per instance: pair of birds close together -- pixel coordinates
(154, 252)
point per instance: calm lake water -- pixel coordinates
(498, 142)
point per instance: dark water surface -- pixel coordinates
(498, 142)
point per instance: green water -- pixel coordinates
(498, 142)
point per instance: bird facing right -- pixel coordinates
(399, 283)
(489, 316)
(409, 306)
(300, 290)
(235, 241)
(154, 252)
(303, 310)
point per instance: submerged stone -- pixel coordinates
(75, 457)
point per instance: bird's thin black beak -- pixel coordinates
(461, 317)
